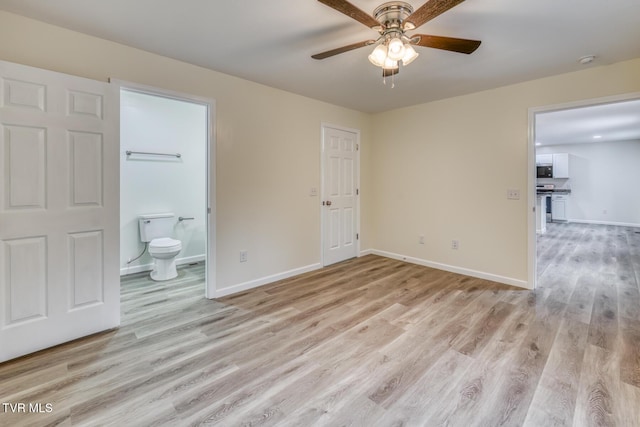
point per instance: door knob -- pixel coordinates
(328, 202)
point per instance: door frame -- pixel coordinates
(210, 223)
(323, 127)
(531, 169)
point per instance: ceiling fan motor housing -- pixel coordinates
(392, 14)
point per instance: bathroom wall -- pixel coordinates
(157, 184)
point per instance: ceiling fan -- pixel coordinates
(392, 20)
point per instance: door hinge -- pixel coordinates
(357, 147)
(208, 210)
(357, 191)
(357, 236)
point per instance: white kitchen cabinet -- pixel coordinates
(559, 204)
(544, 159)
(561, 165)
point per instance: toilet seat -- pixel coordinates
(164, 245)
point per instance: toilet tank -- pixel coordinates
(154, 226)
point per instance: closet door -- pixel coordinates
(59, 208)
(339, 195)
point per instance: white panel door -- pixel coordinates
(339, 187)
(59, 202)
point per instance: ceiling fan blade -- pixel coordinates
(428, 11)
(447, 43)
(352, 12)
(342, 49)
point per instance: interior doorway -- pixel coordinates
(582, 165)
(167, 159)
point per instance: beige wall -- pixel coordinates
(443, 169)
(440, 169)
(268, 144)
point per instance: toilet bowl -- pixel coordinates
(155, 230)
(164, 251)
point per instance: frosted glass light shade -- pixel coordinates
(396, 49)
(390, 64)
(409, 55)
(378, 55)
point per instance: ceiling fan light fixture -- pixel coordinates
(392, 20)
(390, 64)
(396, 49)
(379, 55)
(409, 55)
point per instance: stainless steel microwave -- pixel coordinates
(545, 171)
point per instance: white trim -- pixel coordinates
(532, 236)
(164, 93)
(265, 280)
(125, 271)
(586, 103)
(317, 266)
(531, 181)
(619, 224)
(323, 126)
(453, 269)
(211, 144)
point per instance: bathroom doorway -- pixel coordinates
(167, 151)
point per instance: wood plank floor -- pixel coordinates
(370, 342)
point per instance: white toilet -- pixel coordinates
(156, 229)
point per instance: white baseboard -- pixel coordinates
(264, 280)
(148, 267)
(620, 224)
(311, 267)
(453, 269)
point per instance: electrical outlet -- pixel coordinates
(455, 244)
(513, 194)
(244, 256)
(313, 192)
(421, 240)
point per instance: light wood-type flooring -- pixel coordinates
(367, 342)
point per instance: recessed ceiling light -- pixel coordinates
(538, 143)
(587, 59)
(597, 136)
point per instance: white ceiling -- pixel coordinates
(619, 121)
(271, 42)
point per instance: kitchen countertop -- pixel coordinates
(554, 191)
